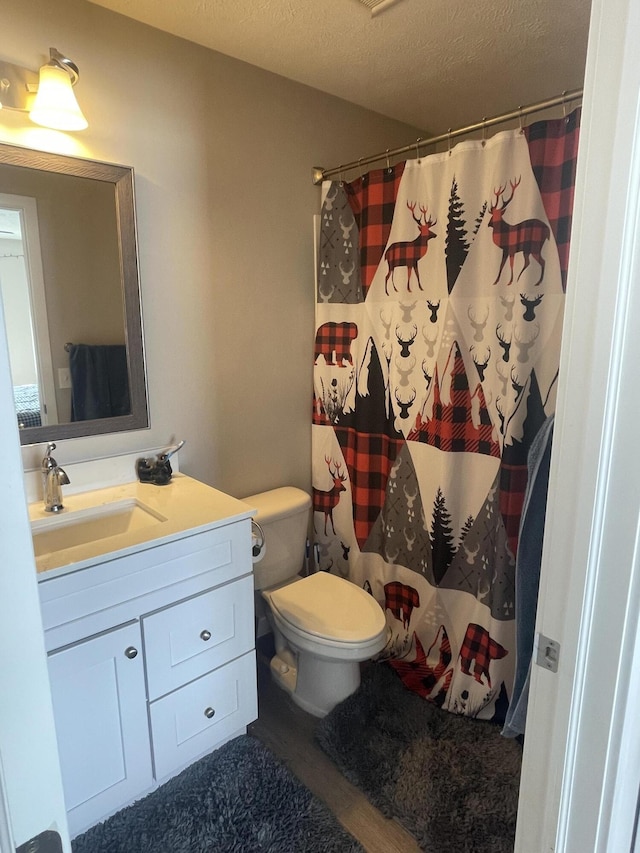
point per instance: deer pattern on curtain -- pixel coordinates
(440, 297)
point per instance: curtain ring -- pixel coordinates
(564, 104)
(360, 168)
(449, 142)
(388, 164)
(520, 123)
(418, 141)
(340, 181)
(484, 131)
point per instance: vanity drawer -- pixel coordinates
(191, 721)
(82, 603)
(190, 639)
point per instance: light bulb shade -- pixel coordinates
(55, 104)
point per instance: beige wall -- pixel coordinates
(222, 153)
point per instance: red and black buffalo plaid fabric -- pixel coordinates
(450, 426)
(333, 341)
(513, 483)
(401, 599)
(407, 253)
(553, 149)
(477, 651)
(421, 677)
(527, 237)
(373, 199)
(369, 457)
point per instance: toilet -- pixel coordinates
(323, 626)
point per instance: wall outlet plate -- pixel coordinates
(64, 377)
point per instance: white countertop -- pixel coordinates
(185, 505)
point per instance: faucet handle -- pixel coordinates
(168, 453)
(49, 461)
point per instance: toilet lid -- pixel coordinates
(330, 607)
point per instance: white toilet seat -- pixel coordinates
(324, 627)
(329, 609)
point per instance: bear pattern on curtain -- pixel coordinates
(440, 297)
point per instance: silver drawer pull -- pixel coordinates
(131, 652)
(205, 635)
(209, 713)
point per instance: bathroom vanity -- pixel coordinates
(149, 632)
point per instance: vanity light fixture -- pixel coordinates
(55, 103)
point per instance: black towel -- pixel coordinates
(528, 563)
(99, 381)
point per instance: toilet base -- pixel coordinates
(315, 684)
(284, 673)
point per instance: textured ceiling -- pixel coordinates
(435, 64)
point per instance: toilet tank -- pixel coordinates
(283, 514)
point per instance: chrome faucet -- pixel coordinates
(54, 478)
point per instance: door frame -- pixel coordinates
(27, 207)
(577, 766)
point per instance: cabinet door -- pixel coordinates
(100, 713)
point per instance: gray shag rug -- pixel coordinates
(238, 799)
(451, 781)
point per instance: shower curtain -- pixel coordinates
(440, 297)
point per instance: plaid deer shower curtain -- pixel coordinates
(440, 297)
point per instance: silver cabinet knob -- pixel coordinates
(205, 635)
(209, 713)
(131, 652)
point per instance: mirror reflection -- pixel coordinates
(69, 284)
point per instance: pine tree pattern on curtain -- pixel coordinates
(440, 291)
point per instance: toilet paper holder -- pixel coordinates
(257, 541)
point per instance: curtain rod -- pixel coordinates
(320, 174)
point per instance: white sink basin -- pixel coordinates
(81, 527)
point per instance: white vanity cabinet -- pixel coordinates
(151, 662)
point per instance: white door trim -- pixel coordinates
(574, 773)
(28, 208)
(6, 834)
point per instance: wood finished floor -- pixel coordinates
(288, 731)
